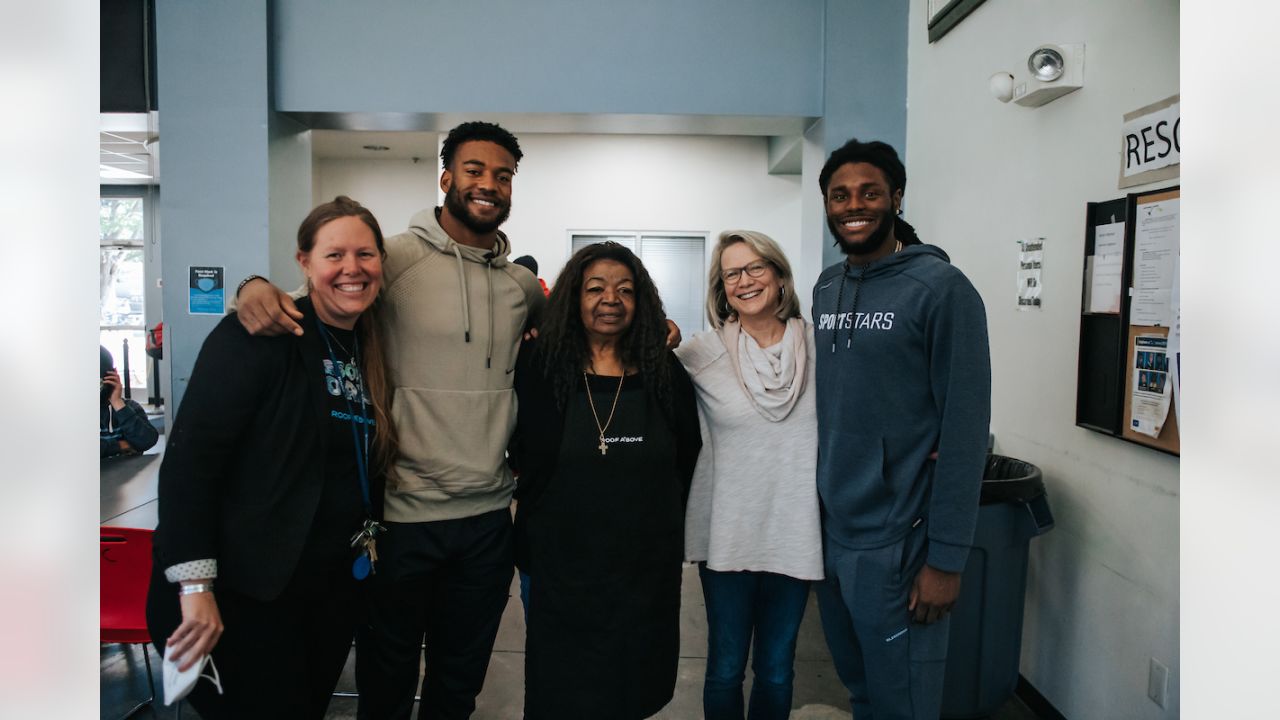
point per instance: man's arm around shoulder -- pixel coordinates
(264, 309)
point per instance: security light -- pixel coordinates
(1045, 63)
(1053, 71)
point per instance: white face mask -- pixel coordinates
(178, 684)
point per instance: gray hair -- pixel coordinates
(718, 309)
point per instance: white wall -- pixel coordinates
(601, 182)
(1103, 585)
(394, 190)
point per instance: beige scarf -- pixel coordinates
(772, 378)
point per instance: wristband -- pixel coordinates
(193, 588)
(248, 280)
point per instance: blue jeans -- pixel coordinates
(740, 606)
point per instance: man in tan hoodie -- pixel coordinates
(454, 310)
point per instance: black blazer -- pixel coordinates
(243, 467)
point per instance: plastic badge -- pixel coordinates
(361, 566)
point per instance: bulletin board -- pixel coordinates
(1126, 383)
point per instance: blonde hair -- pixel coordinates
(718, 309)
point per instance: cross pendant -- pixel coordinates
(603, 447)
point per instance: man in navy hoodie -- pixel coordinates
(904, 404)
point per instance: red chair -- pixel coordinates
(125, 572)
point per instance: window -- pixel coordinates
(677, 264)
(122, 286)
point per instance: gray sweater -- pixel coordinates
(754, 500)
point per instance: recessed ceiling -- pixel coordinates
(129, 142)
(351, 144)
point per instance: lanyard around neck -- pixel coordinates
(362, 453)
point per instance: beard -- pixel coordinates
(871, 244)
(458, 208)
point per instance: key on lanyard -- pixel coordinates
(367, 542)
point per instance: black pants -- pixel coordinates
(447, 581)
(276, 659)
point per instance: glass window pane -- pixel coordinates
(120, 219)
(676, 266)
(121, 287)
(113, 341)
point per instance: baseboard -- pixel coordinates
(1036, 702)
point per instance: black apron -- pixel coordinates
(606, 544)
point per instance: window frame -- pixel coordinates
(636, 237)
(149, 197)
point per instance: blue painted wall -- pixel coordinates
(712, 57)
(212, 85)
(864, 84)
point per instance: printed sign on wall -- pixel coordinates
(206, 294)
(1030, 260)
(1151, 386)
(1151, 143)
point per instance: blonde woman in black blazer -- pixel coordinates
(273, 466)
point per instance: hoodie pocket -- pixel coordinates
(453, 441)
(855, 488)
(912, 551)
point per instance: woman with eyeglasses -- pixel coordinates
(752, 523)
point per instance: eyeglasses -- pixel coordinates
(733, 275)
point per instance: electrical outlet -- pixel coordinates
(1158, 682)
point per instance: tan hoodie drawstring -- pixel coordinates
(488, 353)
(434, 236)
(466, 304)
(462, 288)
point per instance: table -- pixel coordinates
(130, 486)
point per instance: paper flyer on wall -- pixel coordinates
(1152, 389)
(1030, 258)
(1155, 249)
(1104, 267)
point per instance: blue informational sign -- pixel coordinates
(207, 292)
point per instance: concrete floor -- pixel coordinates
(818, 692)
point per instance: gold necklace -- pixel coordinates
(334, 337)
(603, 447)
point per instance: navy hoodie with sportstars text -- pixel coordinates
(903, 370)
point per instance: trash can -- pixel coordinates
(986, 623)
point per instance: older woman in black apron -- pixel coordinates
(606, 441)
